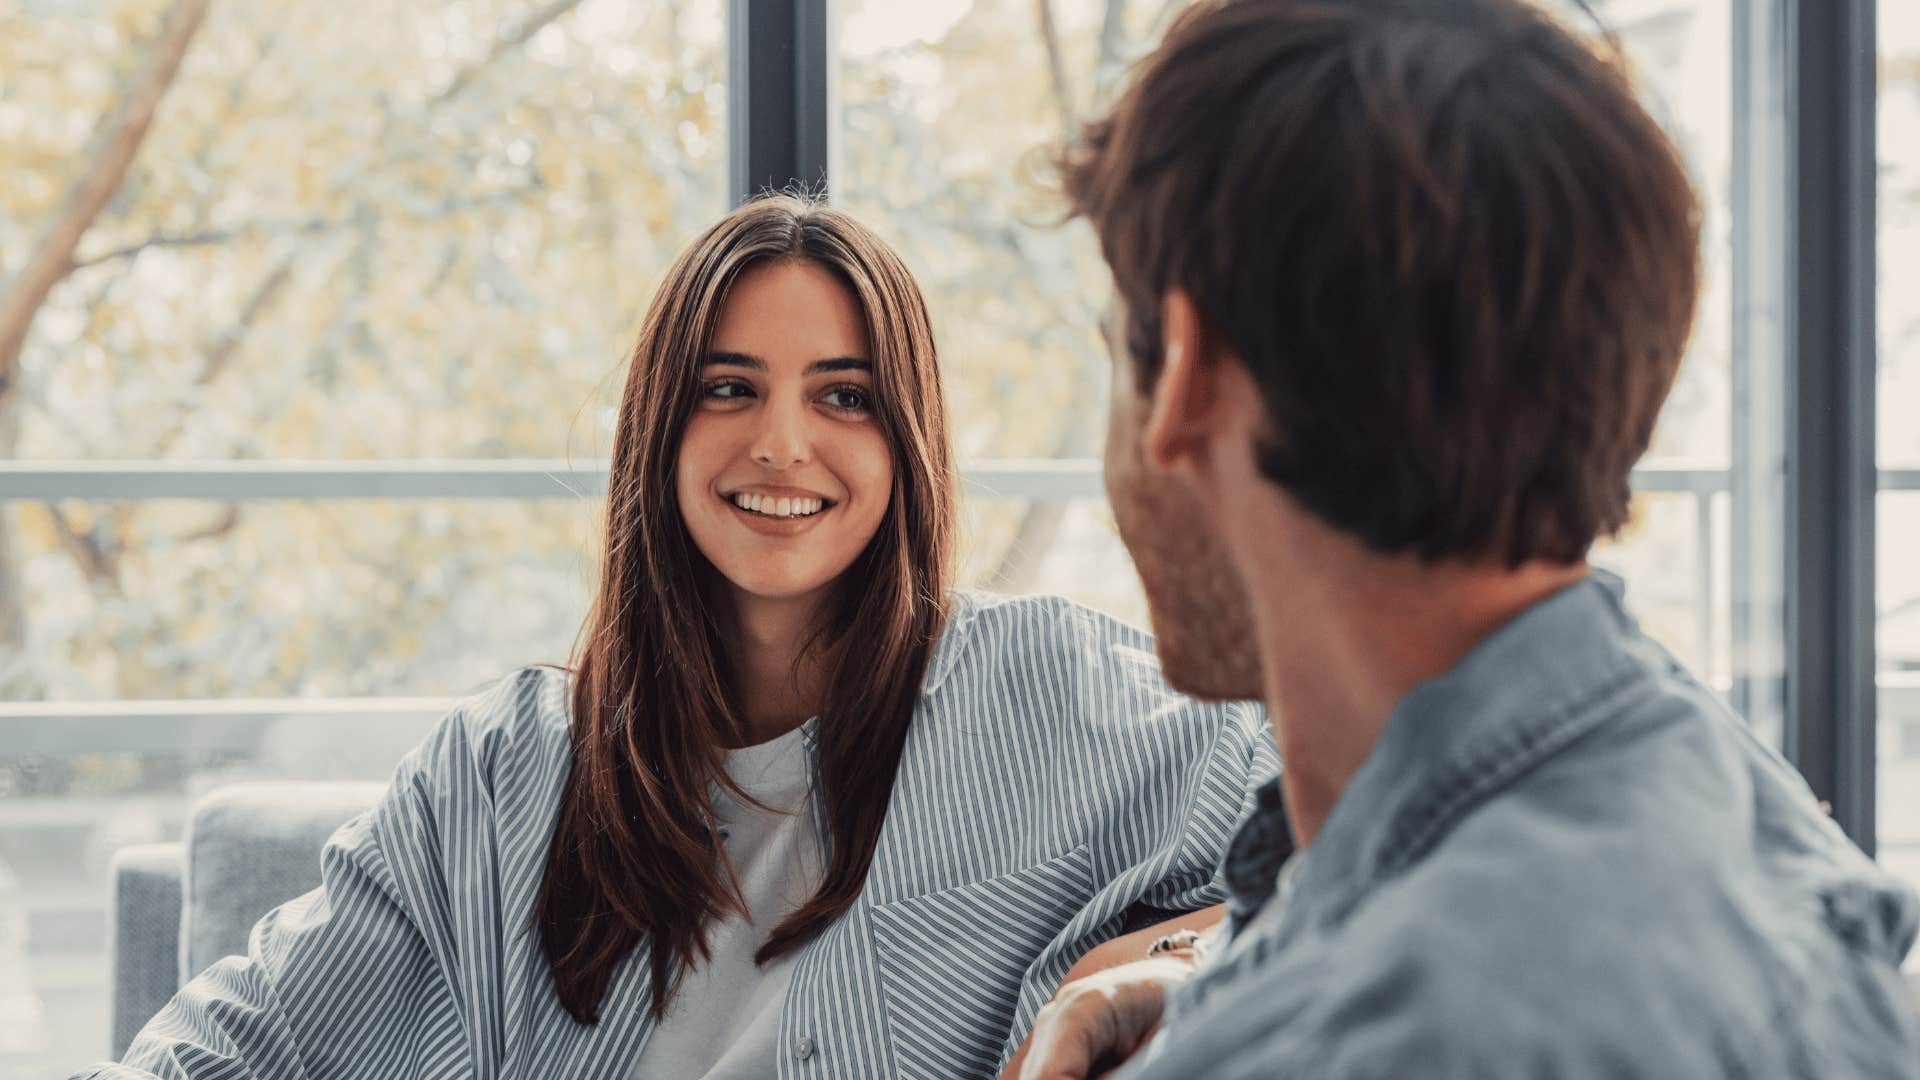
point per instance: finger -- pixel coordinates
(1067, 1043)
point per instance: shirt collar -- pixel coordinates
(1258, 854)
(946, 651)
(1516, 696)
(961, 607)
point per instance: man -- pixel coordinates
(1404, 284)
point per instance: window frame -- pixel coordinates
(1830, 372)
(1802, 478)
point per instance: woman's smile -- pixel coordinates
(781, 516)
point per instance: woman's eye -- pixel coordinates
(727, 391)
(847, 399)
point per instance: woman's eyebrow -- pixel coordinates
(734, 359)
(818, 367)
(838, 363)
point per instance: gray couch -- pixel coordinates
(178, 907)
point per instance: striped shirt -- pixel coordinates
(1053, 793)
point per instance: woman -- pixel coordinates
(797, 808)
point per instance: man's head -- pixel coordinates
(1441, 247)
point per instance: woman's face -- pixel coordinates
(784, 473)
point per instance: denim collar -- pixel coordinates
(1258, 852)
(1515, 699)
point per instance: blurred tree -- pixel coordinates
(946, 136)
(430, 239)
(361, 230)
(117, 140)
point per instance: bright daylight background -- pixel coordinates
(363, 229)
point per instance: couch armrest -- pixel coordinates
(143, 935)
(252, 847)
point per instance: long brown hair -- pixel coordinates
(653, 703)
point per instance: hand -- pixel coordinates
(1099, 1021)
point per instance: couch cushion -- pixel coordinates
(143, 951)
(250, 848)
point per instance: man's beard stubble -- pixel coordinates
(1202, 622)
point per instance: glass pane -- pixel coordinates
(1899, 223)
(942, 109)
(1898, 783)
(62, 817)
(176, 599)
(1083, 557)
(1681, 53)
(169, 599)
(1673, 556)
(433, 240)
(259, 599)
(943, 105)
(1898, 565)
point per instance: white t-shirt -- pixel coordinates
(724, 1022)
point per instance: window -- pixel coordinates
(946, 113)
(1676, 553)
(1898, 565)
(436, 247)
(292, 447)
(424, 243)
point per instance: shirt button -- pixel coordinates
(803, 1048)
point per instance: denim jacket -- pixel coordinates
(1564, 858)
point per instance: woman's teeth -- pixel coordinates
(778, 507)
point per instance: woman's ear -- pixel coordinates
(1186, 395)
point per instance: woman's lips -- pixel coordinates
(778, 526)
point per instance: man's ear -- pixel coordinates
(1187, 393)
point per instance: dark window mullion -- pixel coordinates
(1831, 369)
(779, 69)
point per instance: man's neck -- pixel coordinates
(1342, 645)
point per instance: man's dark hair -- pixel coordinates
(1459, 258)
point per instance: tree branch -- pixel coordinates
(1167, 11)
(502, 46)
(1057, 66)
(216, 236)
(99, 561)
(236, 92)
(220, 353)
(117, 143)
(1113, 39)
(307, 227)
(228, 520)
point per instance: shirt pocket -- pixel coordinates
(952, 962)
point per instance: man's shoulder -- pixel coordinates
(1534, 941)
(1391, 1001)
(1421, 1004)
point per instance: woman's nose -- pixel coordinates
(781, 442)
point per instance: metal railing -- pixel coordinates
(66, 728)
(255, 481)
